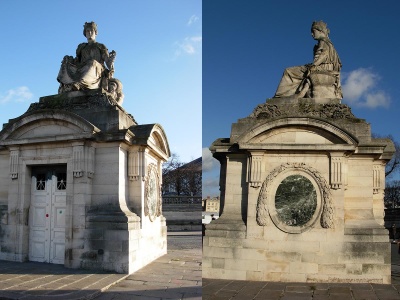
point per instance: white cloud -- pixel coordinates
(359, 89)
(210, 187)
(193, 19)
(189, 45)
(19, 94)
(209, 162)
(211, 168)
(376, 99)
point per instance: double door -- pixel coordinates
(47, 215)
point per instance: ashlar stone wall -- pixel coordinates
(113, 214)
(342, 240)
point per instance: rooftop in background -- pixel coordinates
(195, 165)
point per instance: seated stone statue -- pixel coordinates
(92, 66)
(321, 78)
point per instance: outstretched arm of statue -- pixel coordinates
(110, 60)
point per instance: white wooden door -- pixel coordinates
(47, 215)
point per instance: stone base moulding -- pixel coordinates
(74, 160)
(301, 183)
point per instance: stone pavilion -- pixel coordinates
(80, 181)
(302, 184)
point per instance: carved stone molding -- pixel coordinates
(90, 165)
(152, 193)
(378, 176)
(302, 108)
(136, 164)
(78, 160)
(337, 168)
(254, 169)
(327, 216)
(266, 111)
(14, 163)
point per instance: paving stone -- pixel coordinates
(361, 286)
(321, 297)
(299, 289)
(387, 294)
(340, 289)
(340, 296)
(278, 286)
(296, 296)
(364, 294)
(269, 294)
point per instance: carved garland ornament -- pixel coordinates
(152, 203)
(327, 217)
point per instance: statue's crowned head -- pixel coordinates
(87, 25)
(320, 26)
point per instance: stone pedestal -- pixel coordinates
(313, 153)
(105, 212)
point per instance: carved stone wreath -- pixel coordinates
(302, 108)
(152, 192)
(327, 216)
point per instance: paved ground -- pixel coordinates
(176, 275)
(229, 289)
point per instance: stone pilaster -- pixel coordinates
(78, 159)
(136, 164)
(14, 162)
(254, 169)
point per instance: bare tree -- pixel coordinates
(172, 175)
(393, 165)
(193, 179)
(392, 194)
(181, 178)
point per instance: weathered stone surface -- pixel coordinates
(319, 79)
(92, 68)
(322, 141)
(96, 106)
(106, 155)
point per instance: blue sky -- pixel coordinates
(159, 58)
(248, 44)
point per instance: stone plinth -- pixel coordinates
(81, 168)
(302, 184)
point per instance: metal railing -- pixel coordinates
(181, 202)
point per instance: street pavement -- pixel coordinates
(176, 275)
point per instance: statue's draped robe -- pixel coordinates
(326, 60)
(86, 70)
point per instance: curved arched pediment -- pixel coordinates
(159, 141)
(154, 136)
(44, 124)
(297, 131)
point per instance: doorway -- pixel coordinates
(47, 214)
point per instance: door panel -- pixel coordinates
(47, 215)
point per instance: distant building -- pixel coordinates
(212, 205)
(210, 209)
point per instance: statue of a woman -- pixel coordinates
(321, 78)
(91, 67)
